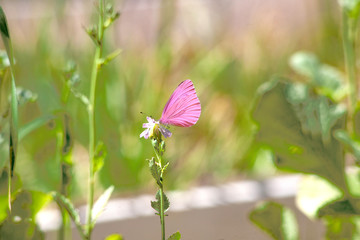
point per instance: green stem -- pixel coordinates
(59, 141)
(9, 187)
(349, 33)
(162, 214)
(161, 188)
(91, 112)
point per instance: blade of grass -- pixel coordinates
(13, 103)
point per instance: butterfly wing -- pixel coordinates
(183, 108)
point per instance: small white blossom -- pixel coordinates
(152, 128)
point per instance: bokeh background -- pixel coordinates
(226, 47)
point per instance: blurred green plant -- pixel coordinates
(97, 153)
(307, 125)
(13, 113)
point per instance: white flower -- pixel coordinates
(153, 128)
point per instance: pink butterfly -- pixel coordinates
(183, 109)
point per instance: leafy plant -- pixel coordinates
(308, 124)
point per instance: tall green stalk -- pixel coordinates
(349, 36)
(91, 112)
(159, 148)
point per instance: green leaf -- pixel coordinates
(109, 57)
(175, 236)
(166, 202)
(13, 103)
(328, 80)
(13, 128)
(155, 171)
(352, 7)
(276, 220)
(340, 228)
(100, 204)
(99, 157)
(33, 125)
(65, 203)
(313, 193)
(5, 88)
(298, 136)
(5, 35)
(20, 223)
(156, 204)
(351, 142)
(16, 185)
(114, 236)
(340, 207)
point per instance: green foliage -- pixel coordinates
(33, 125)
(100, 204)
(352, 7)
(291, 126)
(313, 193)
(341, 228)
(110, 15)
(99, 157)
(341, 207)
(351, 142)
(16, 185)
(67, 204)
(155, 171)
(304, 123)
(328, 80)
(156, 204)
(175, 236)
(20, 223)
(109, 57)
(278, 221)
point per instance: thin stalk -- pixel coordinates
(91, 112)
(65, 228)
(162, 214)
(161, 188)
(349, 37)
(348, 34)
(59, 140)
(9, 187)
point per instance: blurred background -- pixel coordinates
(226, 47)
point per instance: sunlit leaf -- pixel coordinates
(99, 157)
(298, 141)
(352, 7)
(341, 228)
(276, 220)
(16, 185)
(100, 204)
(114, 236)
(20, 224)
(313, 193)
(175, 236)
